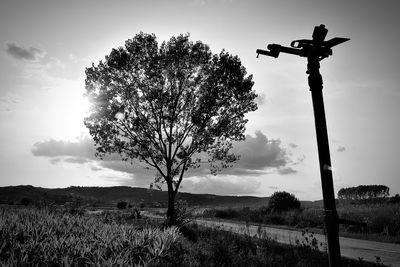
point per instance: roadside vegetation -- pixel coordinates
(32, 236)
(381, 217)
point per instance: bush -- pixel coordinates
(395, 199)
(283, 201)
(182, 212)
(74, 208)
(122, 205)
(274, 218)
(26, 201)
(135, 214)
(227, 213)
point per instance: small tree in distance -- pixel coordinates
(283, 201)
(172, 107)
(122, 205)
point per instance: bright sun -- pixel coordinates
(70, 111)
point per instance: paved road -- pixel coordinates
(349, 247)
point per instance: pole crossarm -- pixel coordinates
(306, 48)
(315, 50)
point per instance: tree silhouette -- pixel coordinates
(172, 106)
(364, 192)
(283, 201)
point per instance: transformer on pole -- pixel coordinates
(316, 50)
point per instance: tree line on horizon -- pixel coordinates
(363, 192)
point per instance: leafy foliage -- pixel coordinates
(395, 199)
(283, 201)
(43, 238)
(183, 213)
(172, 107)
(364, 192)
(211, 247)
(309, 241)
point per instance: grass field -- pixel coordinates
(44, 237)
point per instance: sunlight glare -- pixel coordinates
(69, 115)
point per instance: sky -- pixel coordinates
(45, 46)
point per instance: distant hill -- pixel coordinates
(112, 195)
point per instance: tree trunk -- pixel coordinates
(171, 214)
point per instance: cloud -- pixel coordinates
(21, 53)
(48, 72)
(259, 156)
(82, 148)
(140, 171)
(82, 151)
(259, 152)
(221, 185)
(8, 101)
(341, 149)
(55, 161)
(286, 171)
(261, 98)
(292, 145)
(95, 168)
(76, 160)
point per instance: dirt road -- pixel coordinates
(350, 248)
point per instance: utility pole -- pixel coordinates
(315, 50)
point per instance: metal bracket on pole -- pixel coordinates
(316, 50)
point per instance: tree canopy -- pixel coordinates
(172, 106)
(363, 192)
(283, 201)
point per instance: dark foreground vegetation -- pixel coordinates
(62, 237)
(381, 217)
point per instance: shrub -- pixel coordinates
(182, 212)
(122, 205)
(311, 217)
(26, 201)
(274, 218)
(226, 213)
(135, 214)
(74, 207)
(283, 201)
(395, 199)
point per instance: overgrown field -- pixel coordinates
(42, 237)
(382, 219)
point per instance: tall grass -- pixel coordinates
(211, 247)
(41, 238)
(382, 219)
(34, 237)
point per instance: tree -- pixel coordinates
(283, 201)
(172, 107)
(363, 192)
